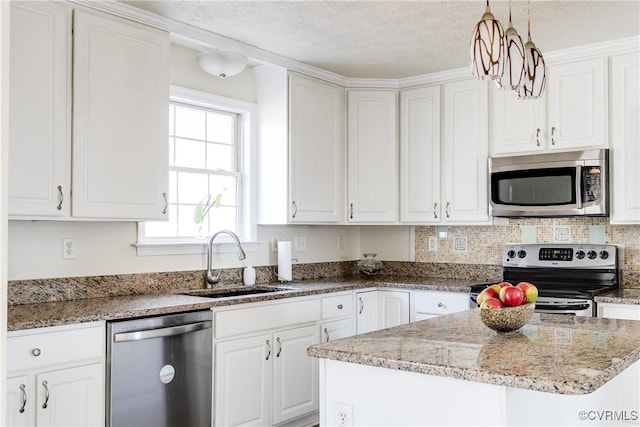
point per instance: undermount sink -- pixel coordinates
(223, 293)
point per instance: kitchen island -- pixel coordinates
(453, 370)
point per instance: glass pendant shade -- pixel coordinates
(486, 49)
(514, 66)
(535, 73)
(222, 64)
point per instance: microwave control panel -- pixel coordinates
(592, 183)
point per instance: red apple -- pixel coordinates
(486, 293)
(503, 284)
(496, 287)
(511, 296)
(529, 289)
(491, 303)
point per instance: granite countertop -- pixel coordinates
(620, 296)
(27, 316)
(552, 353)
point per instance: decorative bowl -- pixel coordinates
(507, 319)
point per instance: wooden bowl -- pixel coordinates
(507, 319)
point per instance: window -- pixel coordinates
(209, 142)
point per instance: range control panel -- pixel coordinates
(568, 255)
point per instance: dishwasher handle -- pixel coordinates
(161, 332)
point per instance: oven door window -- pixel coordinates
(537, 187)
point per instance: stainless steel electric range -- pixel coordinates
(568, 276)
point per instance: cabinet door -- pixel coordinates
(295, 374)
(242, 380)
(71, 397)
(625, 134)
(517, 126)
(465, 163)
(39, 143)
(20, 401)
(420, 155)
(367, 314)
(120, 119)
(577, 107)
(393, 308)
(316, 150)
(337, 329)
(372, 156)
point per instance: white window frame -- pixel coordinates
(248, 227)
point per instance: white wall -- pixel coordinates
(4, 148)
(390, 242)
(103, 248)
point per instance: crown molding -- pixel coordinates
(199, 39)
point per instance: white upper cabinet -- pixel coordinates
(372, 156)
(420, 155)
(465, 153)
(120, 118)
(301, 149)
(572, 114)
(316, 150)
(625, 137)
(39, 143)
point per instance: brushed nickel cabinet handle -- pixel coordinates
(295, 209)
(46, 394)
(361, 305)
(60, 198)
(24, 398)
(268, 350)
(435, 210)
(351, 211)
(538, 137)
(446, 210)
(553, 138)
(166, 203)
(279, 347)
(326, 334)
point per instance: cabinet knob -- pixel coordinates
(339, 306)
(36, 352)
(440, 305)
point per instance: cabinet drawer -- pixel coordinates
(337, 305)
(439, 302)
(264, 317)
(53, 346)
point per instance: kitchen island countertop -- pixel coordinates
(551, 353)
(26, 316)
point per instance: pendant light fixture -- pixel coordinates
(534, 67)
(486, 49)
(514, 71)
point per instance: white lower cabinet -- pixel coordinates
(380, 309)
(263, 375)
(428, 304)
(56, 376)
(336, 329)
(619, 311)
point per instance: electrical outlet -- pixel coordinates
(432, 243)
(68, 248)
(460, 244)
(301, 243)
(344, 414)
(274, 243)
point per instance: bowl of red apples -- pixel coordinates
(505, 307)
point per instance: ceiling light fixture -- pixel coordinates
(534, 67)
(222, 64)
(514, 70)
(486, 49)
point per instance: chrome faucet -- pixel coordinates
(210, 278)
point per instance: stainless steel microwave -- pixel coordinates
(549, 185)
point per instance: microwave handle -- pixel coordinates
(579, 184)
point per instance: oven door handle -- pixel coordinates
(561, 308)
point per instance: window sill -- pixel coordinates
(190, 248)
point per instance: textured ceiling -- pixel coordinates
(395, 38)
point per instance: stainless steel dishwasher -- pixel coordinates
(159, 371)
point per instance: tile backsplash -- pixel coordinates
(484, 243)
